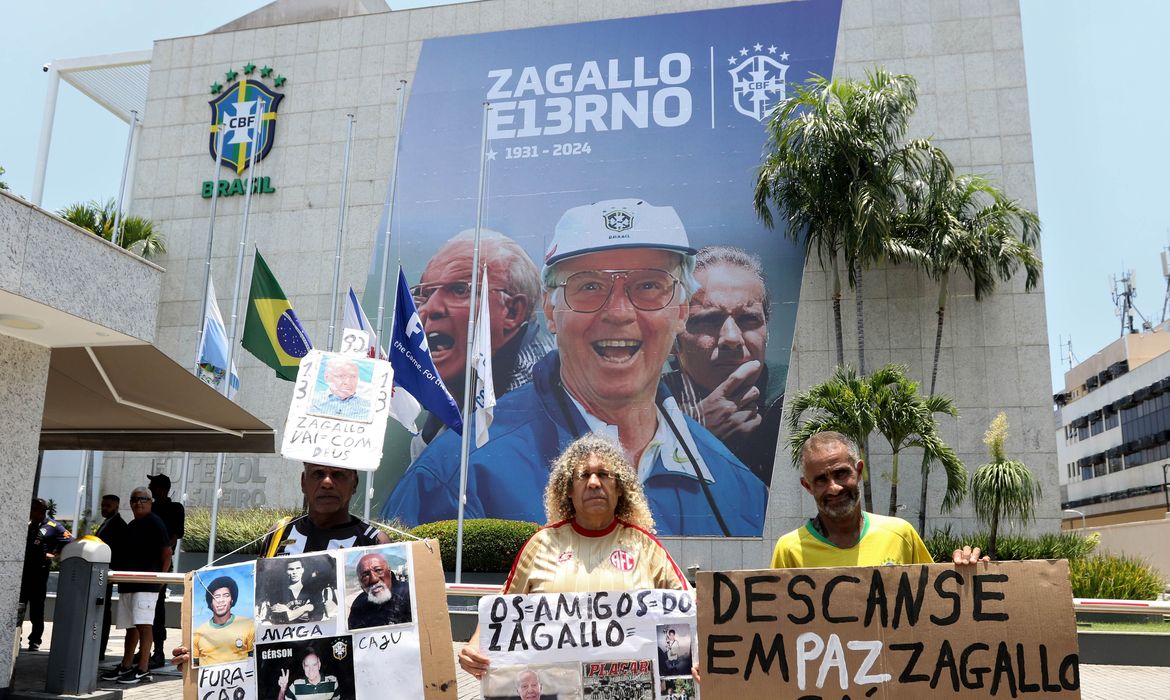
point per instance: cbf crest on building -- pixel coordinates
(243, 125)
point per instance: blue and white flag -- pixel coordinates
(414, 370)
(213, 347)
(481, 358)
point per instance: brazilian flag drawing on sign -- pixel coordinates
(272, 331)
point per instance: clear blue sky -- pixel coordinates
(1098, 107)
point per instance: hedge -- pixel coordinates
(488, 545)
(1065, 545)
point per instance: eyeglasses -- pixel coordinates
(647, 289)
(458, 292)
(603, 475)
(141, 499)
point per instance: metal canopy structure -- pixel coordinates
(136, 399)
(115, 81)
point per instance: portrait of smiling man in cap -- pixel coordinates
(617, 276)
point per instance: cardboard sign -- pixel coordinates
(349, 623)
(339, 409)
(636, 645)
(938, 631)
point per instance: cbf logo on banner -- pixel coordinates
(243, 124)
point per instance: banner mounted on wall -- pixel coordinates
(625, 142)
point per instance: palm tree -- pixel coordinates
(906, 419)
(966, 223)
(1003, 488)
(835, 169)
(138, 235)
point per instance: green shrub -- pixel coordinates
(235, 529)
(1065, 545)
(1124, 578)
(488, 545)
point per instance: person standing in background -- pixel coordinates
(174, 516)
(111, 531)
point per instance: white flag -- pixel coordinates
(485, 390)
(355, 317)
(404, 407)
(213, 346)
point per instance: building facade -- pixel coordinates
(968, 60)
(1113, 435)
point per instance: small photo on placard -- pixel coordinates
(534, 682)
(342, 389)
(296, 591)
(629, 680)
(222, 604)
(677, 689)
(674, 650)
(306, 670)
(378, 587)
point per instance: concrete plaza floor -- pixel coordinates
(1097, 682)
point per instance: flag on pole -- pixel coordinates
(213, 346)
(272, 331)
(481, 358)
(414, 370)
(355, 317)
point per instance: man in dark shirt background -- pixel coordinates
(148, 548)
(174, 517)
(45, 539)
(111, 531)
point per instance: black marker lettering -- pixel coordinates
(752, 596)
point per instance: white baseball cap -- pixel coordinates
(614, 224)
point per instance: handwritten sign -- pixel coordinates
(933, 631)
(629, 644)
(346, 623)
(339, 409)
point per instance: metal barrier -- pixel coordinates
(1132, 607)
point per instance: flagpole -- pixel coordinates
(117, 233)
(465, 442)
(231, 358)
(219, 132)
(369, 491)
(340, 231)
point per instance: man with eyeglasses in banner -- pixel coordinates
(443, 298)
(617, 278)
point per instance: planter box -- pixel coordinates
(1124, 648)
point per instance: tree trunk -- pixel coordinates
(942, 307)
(837, 314)
(894, 485)
(866, 487)
(991, 541)
(860, 319)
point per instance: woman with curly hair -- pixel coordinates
(599, 536)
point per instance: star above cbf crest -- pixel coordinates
(243, 116)
(758, 80)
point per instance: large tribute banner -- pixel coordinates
(605, 645)
(928, 631)
(346, 624)
(665, 111)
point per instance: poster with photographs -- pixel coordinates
(342, 624)
(339, 409)
(607, 645)
(224, 632)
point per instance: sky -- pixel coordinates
(1097, 103)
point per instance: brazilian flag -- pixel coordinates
(272, 331)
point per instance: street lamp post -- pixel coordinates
(1077, 512)
(1165, 487)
